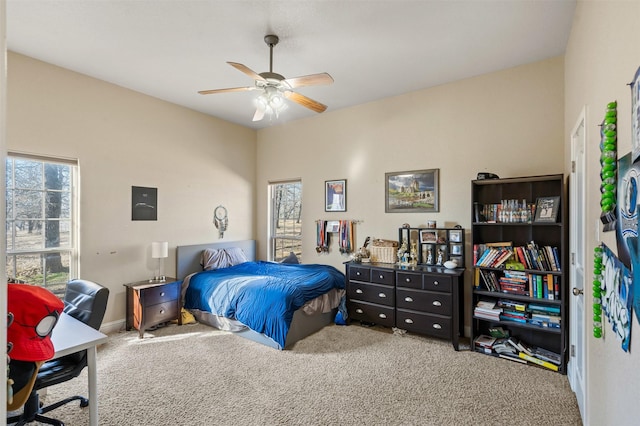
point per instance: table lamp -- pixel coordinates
(159, 250)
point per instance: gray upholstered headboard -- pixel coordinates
(188, 257)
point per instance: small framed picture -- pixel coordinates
(455, 236)
(428, 236)
(456, 249)
(547, 209)
(335, 195)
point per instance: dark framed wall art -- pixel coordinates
(144, 203)
(413, 191)
(335, 195)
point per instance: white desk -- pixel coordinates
(70, 336)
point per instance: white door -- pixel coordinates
(577, 335)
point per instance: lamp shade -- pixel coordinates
(159, 249)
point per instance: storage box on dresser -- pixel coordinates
(420, 299)
(489, 229)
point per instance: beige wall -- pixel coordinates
(509, 123)
(122, 139)
(601, 59)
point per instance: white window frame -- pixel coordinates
(72, 249)
(275, 252)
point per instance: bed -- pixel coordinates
(274, 304)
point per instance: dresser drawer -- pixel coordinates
(375, 293)
(436, 283)
(422, 323)
(360, 274)
(369, 312)
(425, 301)
(383, 276)
(161, 312)
(160, 294)
(409, 280)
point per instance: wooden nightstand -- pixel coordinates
(151, 303)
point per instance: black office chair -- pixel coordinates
(86, 301)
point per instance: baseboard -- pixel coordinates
(113, 326)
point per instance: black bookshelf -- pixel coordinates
(490, 224)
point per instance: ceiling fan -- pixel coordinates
(275, 88)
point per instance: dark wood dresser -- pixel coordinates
(420, 299)
(150, 303)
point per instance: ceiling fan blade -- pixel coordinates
(248, 71)
(305, 101)
(259, 115)
(309, 80)
(231, 89)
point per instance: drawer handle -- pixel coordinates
(435, 282)
(162, 311)
(360, 311)
(382, 315)
(359, 291)
(437, 326)
(408, 321)
(358, 273)
(408, 299)
(407, 279)
(381, 276)
(382, 295)
(162, 294)
(436, 303)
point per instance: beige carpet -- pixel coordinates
(353, 375)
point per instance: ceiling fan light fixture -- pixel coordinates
(271, 101)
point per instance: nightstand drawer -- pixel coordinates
(161, 312)
(418, 322)
(426, 301)
(160, 294)
(369, 312)
(374, 293)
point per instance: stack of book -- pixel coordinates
(514, 282)
(484, 344)
(539, 356)
(516, 350)
(488, 310)
(544, 316)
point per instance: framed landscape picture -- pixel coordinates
(547, 209)
(414, 191)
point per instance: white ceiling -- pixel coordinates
(170, 49)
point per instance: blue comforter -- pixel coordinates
(261, 295)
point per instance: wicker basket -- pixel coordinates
(384, 251)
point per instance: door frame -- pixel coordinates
(577, 330)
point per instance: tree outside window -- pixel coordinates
(40, 224)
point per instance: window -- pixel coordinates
(285, 230)
(41, 221)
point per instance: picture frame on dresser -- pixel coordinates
(412, 191)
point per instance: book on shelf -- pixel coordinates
(538, 361)
(512, 305)
(520, 345)
(543, 309)
(547, 355)
(498, 332)
(484, 343)
(513, 358)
